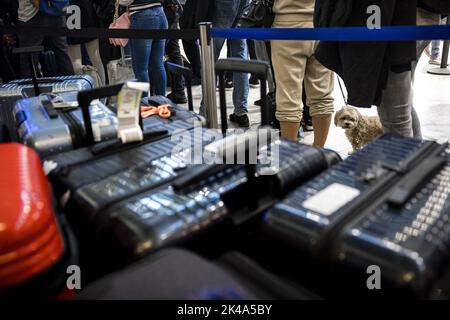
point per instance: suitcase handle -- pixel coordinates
(84, 101)
(411, 183)
(187, 74)
(256, 68)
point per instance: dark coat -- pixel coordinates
(364, 66)
(89, 19)
(196, 11)
(436, 6)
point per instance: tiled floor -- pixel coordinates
(431, 100)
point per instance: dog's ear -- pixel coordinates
(337, 115)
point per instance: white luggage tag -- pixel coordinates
(128, 111)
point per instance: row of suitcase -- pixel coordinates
(393, 222)
(132, 200)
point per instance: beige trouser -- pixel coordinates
(294, 63)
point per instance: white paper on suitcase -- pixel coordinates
(331, 199)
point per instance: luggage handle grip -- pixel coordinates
(257, 68)
(84, 101)
(414, 180)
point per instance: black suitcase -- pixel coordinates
(176, 274)
(369, 210)
(180, 206)
(405, 231)
(70, 170)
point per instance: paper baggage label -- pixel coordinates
(331, 199)
(128, 111)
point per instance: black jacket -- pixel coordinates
(196, 11)
(364, 66)
(435, 6)
(89, 19)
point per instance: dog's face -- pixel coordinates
(347, 118)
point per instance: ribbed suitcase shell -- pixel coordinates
(410, 244)
(54, 135)
(160, 217)
(17, 89)
(30, 238)
(302, 227)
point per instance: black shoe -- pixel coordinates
(177, 98)
(196, 81)
(228, 84)
(242, 121)
(254, 82)
(307, 125)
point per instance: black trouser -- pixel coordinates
(57, 44)
(174, 53)
(7, 72)
(192, 50)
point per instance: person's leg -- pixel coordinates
(221, 19)
(435, 49)
(240, 80)
(424, 18)
(30, 41)
(93, 51)
(192, 51)
(417, 129)
(59, 46)
(174, 54)
(140, 49)
(157, 71)
(395, 108)
(289, 64)
(74, 52)
(6, 71)
(319, 85)
(262, 54)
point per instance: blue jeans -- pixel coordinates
(226, 15)
(148, 54)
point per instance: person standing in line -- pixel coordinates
(30, 14)
(294, 63)
(226, 15)
(173, 52)
(148, 54)
(89, 19)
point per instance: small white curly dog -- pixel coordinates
(359, 129)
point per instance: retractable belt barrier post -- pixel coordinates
(443, 70)
(208, 75)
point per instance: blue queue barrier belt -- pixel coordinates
(399, 33)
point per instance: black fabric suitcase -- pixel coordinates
(382, 217)
(19, 89)
(176, 274)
